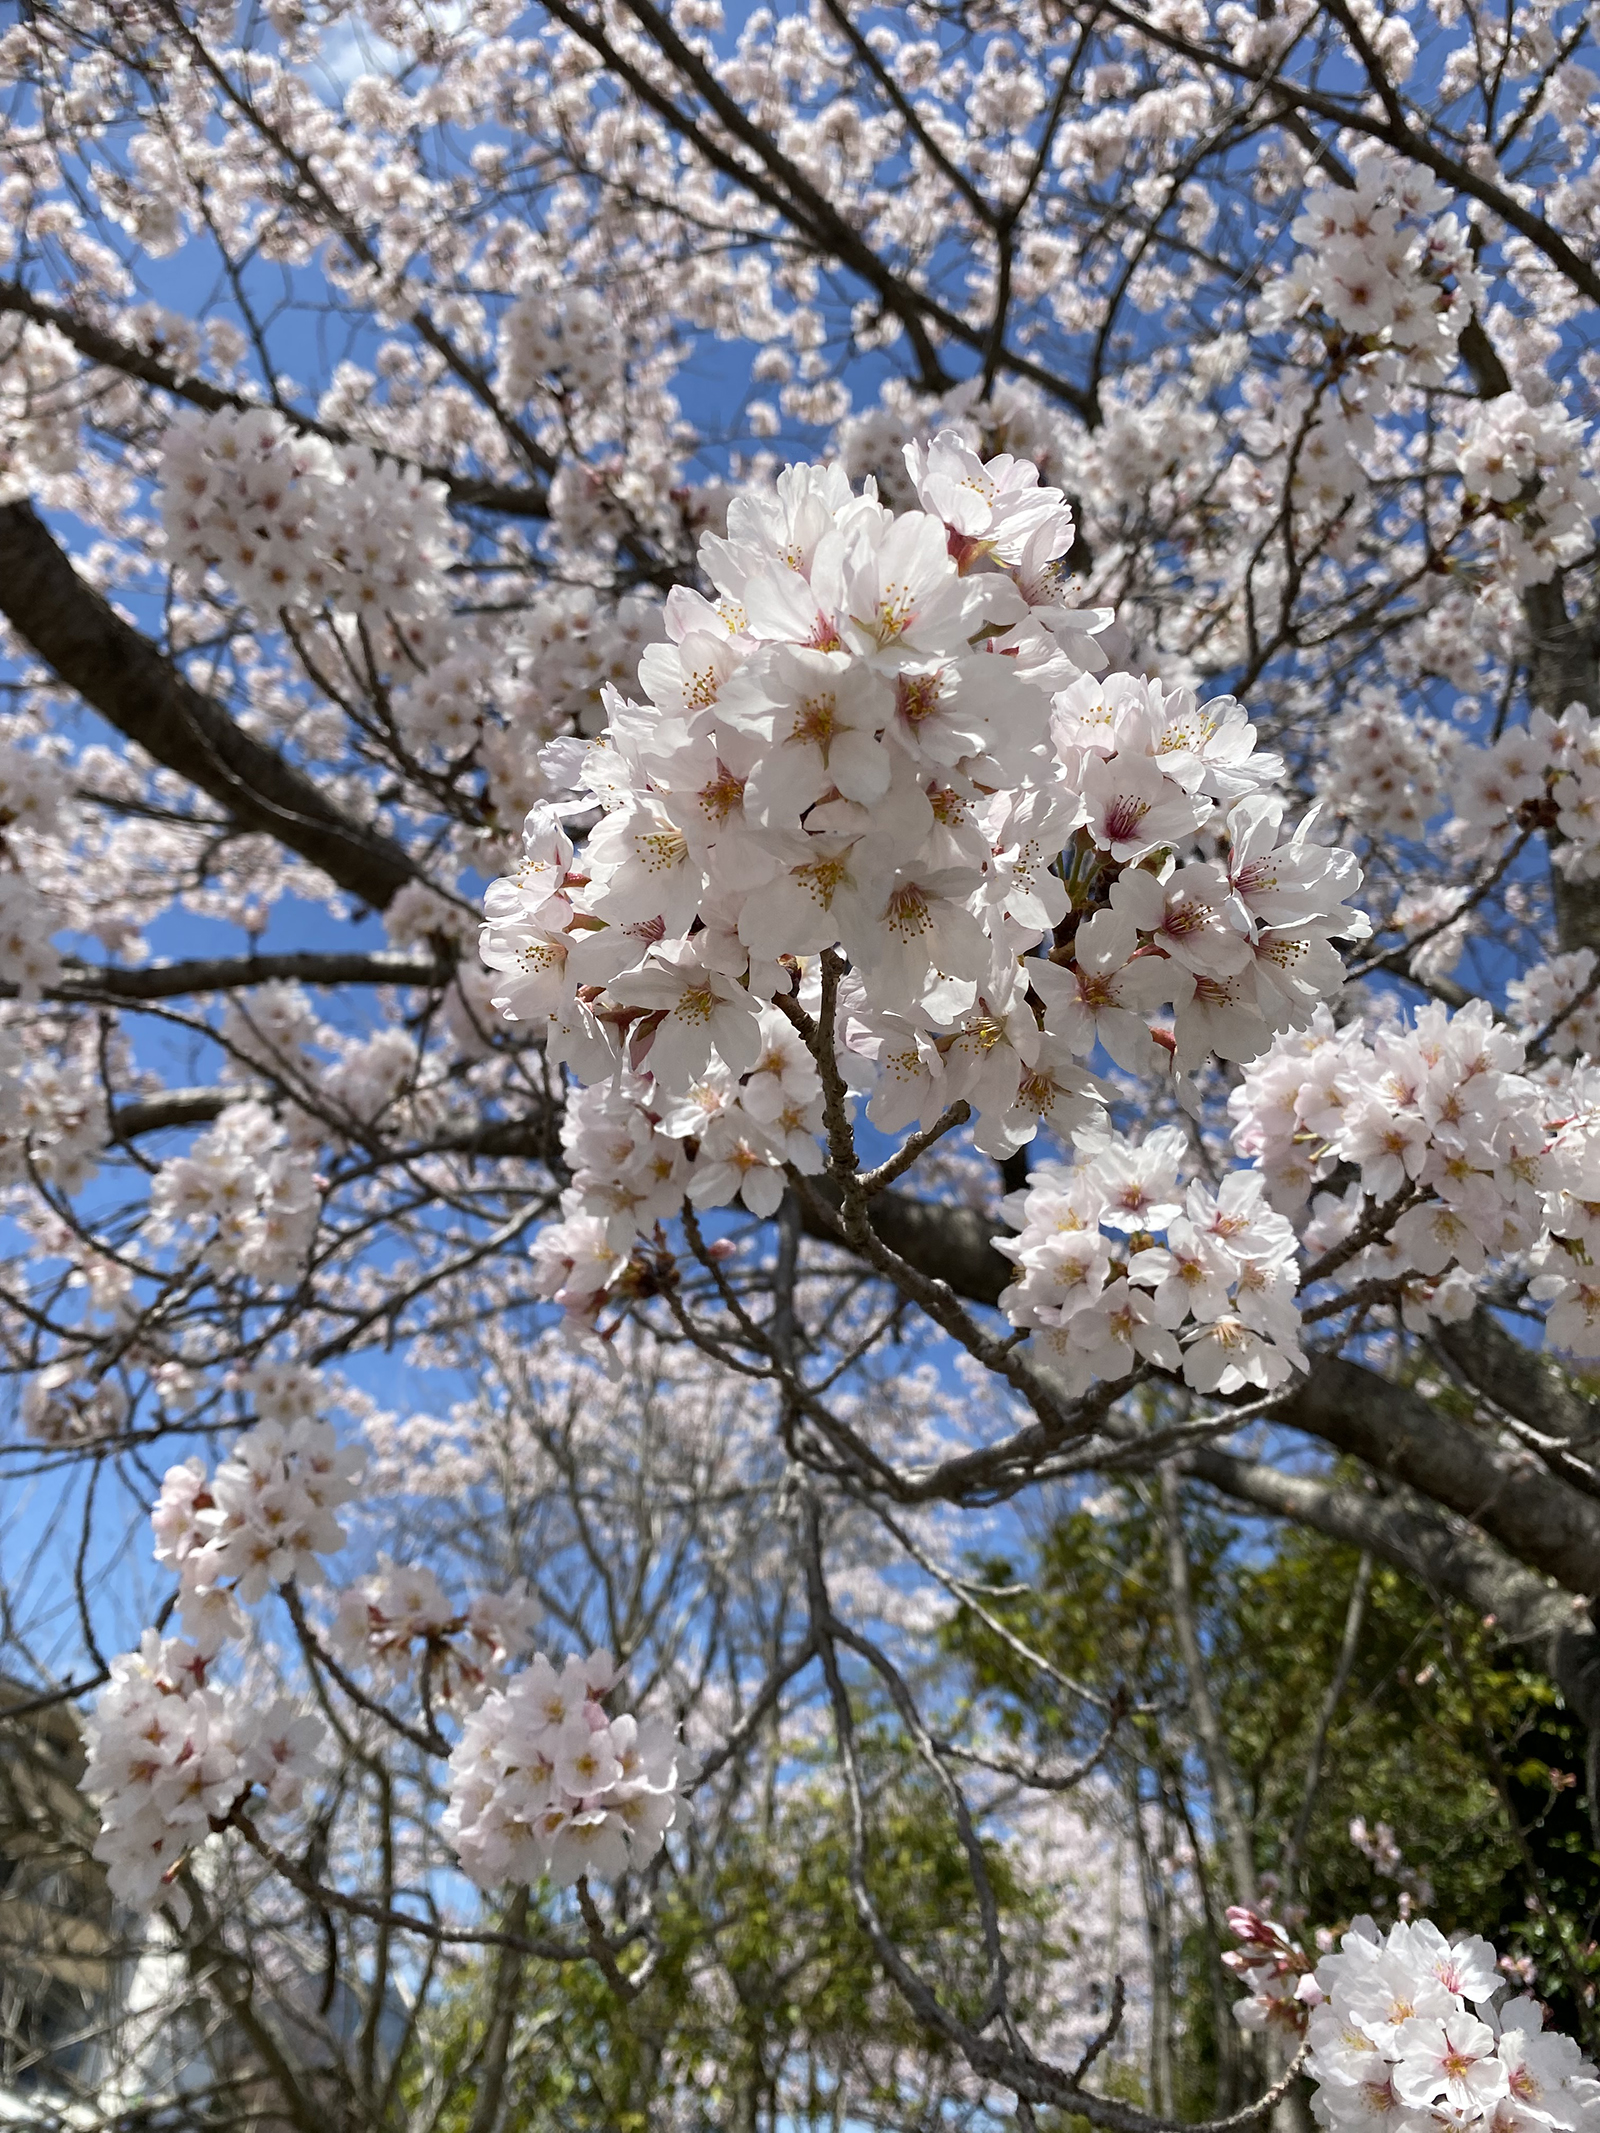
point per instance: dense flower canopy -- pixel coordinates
(856, 752)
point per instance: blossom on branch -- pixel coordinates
(877, 748)
(544, 1783)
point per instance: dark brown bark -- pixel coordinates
(1540, 1520)
(177, 981)
(136, 689)
(953, 1244)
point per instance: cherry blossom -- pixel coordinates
(1406, 2023)
(1213, 1300)
(804, 788)
(544, 1782)
(171, 1754)
(727, 654)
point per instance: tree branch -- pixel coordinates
(1539, 1519)
(1449, 1557)
(175, 981)
(1519, 1379)
(136, 689)
(148, 369)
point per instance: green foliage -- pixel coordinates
(1094, 1603)
(1441, 1726)
(766, 2001)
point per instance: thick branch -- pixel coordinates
(527, 1139)
(953, 1244)
(1519, 1379)
(120, 674)
(175, 981)
(1544, 1523)
(175, 1107)
(1451, 1561)
(1538, 1518)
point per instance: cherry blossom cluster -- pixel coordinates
(283, 1391)
(1436, 922)
(544, 1783)
(1214, 1300)
(1527, 472)
(636, 1155)
(40, 406)
(264, 1517)
(32, 788)
(1404, 2032)
(381, 1621)
(371, 1076)
(1543, 775)
(883, 740)
(542, 1780)
(65, 1404)
(1461, 1158)
(243, 1194)
(557, 344)
(1385, 284)
(1555, 1002)
(28, 961)
(171, 1755)
(353, 1077)
(500, 697)
(171, 1751)
(1402, 785)
(899, 804)
(570, 645)
(1276, 1969)
(1384, 262)
(296, 524)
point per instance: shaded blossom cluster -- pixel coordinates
(52, 1116)
(1526, 472)
(40, 406)
(1554, 1004)
(1380, 291)
(1403, 758)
